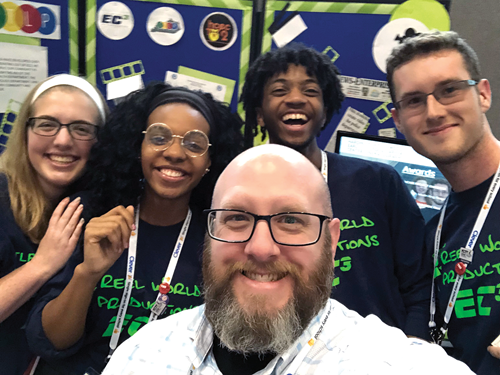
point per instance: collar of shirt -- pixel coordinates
(201, 333)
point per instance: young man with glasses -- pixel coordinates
(268, 268)
(292, 93)
(440, 106)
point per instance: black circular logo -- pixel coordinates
(218, 31)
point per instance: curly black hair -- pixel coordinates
(277, 61)
(115, 171)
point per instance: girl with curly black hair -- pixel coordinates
(152, 172)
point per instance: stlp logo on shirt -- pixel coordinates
(218, 31)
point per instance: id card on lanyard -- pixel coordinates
(129, 281)
(466, 255)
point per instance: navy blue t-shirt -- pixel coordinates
(15, 250)
(154, 249)
(475, 321)
(380, 265)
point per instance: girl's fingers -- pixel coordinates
(56, 215)
(68, 213)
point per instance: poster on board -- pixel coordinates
(197, 46)
(37, 39)
(358, 38)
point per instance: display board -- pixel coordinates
(424, 180)
(358, 37)
(203, 44)
(37, 39)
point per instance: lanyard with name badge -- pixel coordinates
(129, 281)
(466, 254)
(324, 165)
(299, 359)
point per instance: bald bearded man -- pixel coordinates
(268, 270)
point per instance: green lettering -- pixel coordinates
(178, 289)
(497, 297)
(484, 311)
(454, 255)
(444, 257)
(155, 287)
(449, 277)
(101, 301)
(374, 240)
(462, 304)
(137, 285)
(367, 222)
(489, 248)
(119, 283)
(469, 274)
(346, 266)
(136, 324)
(113, 303)
(484, 269)
(497, 267)
(106, 281)
(148, 305)
(480, 272)
(134, 302)
(367, 243)
(336, 281)
(344, 224)
(352, 244)
(339, 244)
(197, 292)
(30, 256)
(111, 325)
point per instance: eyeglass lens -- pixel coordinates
(445, 94)
(160, 137)
(50, 127)
(286, 228)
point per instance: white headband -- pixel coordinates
(79, 83)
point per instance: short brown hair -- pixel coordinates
(426, 44)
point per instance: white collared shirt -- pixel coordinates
(348, 345)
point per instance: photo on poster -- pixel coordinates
(218, 31)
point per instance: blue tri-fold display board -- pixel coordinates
(346, 33)
(110, 60)
(62, 53)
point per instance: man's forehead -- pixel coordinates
(451, 57)
(265, 168)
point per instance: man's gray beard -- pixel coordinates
(261, 332)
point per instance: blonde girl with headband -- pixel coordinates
(153, 172)
(45, 155)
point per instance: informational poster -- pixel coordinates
(204, 47)
(21, 68)
(37, 39)
(358, 38)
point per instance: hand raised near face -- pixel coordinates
(61, 236)
(105, 239)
